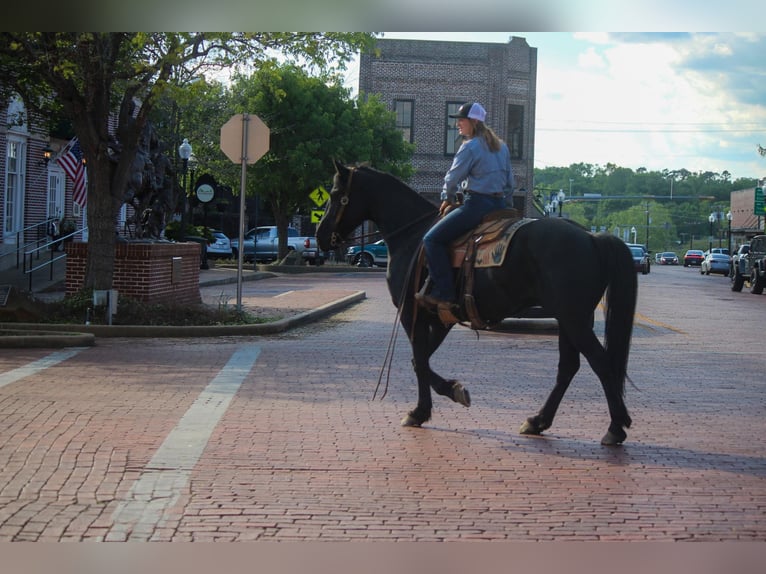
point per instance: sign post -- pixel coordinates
(244, 140)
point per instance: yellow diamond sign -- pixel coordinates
(319, 196)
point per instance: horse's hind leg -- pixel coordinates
(569, 364)
(598, 359)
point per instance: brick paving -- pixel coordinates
(301, 452)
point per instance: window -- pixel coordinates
(55, 207)
(452, 139)
(14, 185)
(404, 114)
(516, 131)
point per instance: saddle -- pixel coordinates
(484, 246)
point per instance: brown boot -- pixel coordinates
(429, 301)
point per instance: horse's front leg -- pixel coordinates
(427, 337)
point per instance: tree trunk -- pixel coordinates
(102, 215)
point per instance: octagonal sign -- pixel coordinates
(251, 148)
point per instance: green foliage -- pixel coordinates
(173, 231)
(92, 76)
(312, 121)
(642, 200)
(76, 308)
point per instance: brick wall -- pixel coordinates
(434, 73)
(143, 271)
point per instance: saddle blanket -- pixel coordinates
(492, 239)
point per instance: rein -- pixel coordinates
(335, 239)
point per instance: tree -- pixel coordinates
(96, 76)
(312, 121)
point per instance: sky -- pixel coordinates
(660, 101)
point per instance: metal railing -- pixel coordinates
(27, 252)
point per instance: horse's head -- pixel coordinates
(342, 215)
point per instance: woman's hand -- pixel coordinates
(446, 207)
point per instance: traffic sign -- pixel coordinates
(759, 208)
(316, 215)
(234, 143)
(319, 196)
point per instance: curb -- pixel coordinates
(19, 338)
(61, 335)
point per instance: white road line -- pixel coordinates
(166, 476)
(39, 365)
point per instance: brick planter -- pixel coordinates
(148, 272)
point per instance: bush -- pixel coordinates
(78, 308)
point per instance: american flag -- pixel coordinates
(71, 162)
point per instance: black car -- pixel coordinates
(640, 260)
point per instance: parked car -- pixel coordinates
(668, 258)
(373, 254)
(220, 247)
(715, 263)
(738, 267)
(693, 257)
(640, 260)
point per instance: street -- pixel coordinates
(278, 439)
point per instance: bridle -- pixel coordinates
(335, 238)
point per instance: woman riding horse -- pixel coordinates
(533, 273)
(482, 170)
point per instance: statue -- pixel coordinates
(151, 190)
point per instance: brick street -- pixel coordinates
(278, 439)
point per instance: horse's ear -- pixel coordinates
(339, 167)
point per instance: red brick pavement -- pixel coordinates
(302, 453)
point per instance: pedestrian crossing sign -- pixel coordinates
(319, 196)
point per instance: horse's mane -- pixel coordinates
(399, 184)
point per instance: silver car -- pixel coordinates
(220, 246)
(715, 263)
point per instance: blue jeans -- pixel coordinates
(438, 239)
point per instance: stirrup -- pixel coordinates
(444, 310)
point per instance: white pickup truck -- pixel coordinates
(261, 244)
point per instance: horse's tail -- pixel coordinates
(621, 294)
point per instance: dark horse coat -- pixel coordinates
(534, 273)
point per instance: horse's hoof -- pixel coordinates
(530, 427)
(613, 439)
(410, 421)
(461, 395)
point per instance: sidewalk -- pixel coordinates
(297, 308)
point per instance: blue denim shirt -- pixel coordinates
(483, 171)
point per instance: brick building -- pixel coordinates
(425, 81)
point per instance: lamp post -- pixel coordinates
(647, 226)
(711, 219)
(184, 152)
(560, 198)
(728, 219)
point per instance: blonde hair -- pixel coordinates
(480, 129)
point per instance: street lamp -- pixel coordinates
(647, 226)
(728, 219)
(560, 199)
(711, 219)
(184, 152)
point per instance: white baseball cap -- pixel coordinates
(472, 110)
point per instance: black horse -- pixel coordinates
(538, 270)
